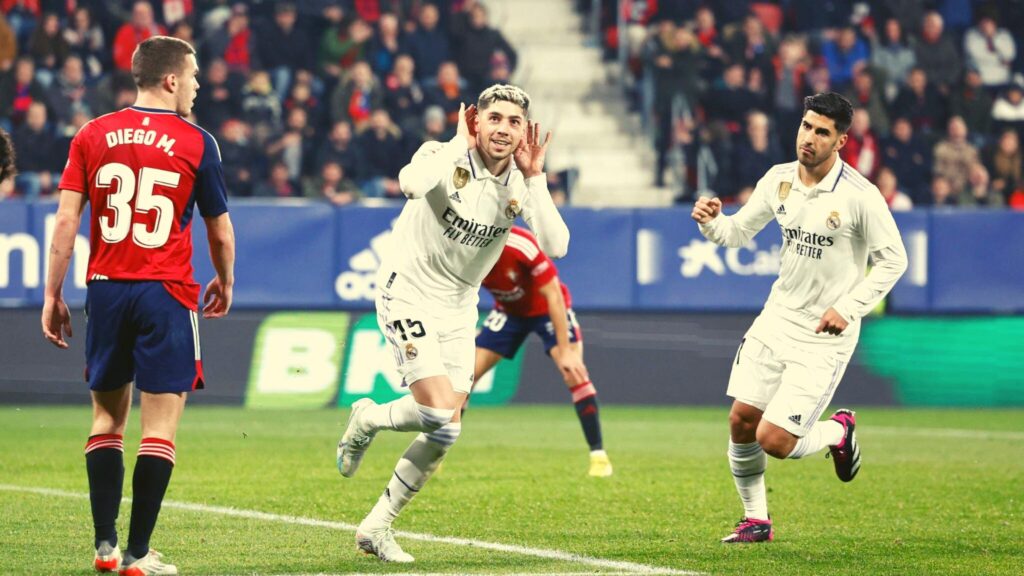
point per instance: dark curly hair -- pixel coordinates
(833, 106)
(7, 169)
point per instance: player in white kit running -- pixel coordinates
(464, 196)
(793, 356)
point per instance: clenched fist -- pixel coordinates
(706, 209)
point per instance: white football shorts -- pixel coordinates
(425, 344)
(790, 385)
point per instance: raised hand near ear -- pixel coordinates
(529, 155)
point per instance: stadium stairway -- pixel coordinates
(573, 96)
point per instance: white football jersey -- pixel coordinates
(455, 224)
(827, 233)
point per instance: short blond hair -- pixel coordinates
(506, 93)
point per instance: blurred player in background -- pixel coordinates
(7, 158)
(464, 195)
(793, 356)
(143, 170)
(529, 298)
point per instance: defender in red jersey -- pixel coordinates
(143, 170)
(529, 298)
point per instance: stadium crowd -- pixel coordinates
(937, 85)
(328, 98)
(320, 98)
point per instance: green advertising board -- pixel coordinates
(966, 361)
(296, 360)
(370, 371)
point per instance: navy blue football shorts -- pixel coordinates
(138, 331)
(504, 334)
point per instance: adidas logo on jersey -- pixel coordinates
(781, 210)
(359, 281)
(795, 419)
(455, 196)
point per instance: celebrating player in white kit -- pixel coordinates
(792, 358)
(464, 196)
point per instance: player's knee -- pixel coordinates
(434, 418)
(445, 435)
(741, 426)
(775, 443)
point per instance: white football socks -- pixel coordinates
(823, 433)
(413, 470)
(404, 415)
(748, 463)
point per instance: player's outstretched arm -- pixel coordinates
(565, 356)
(539, 211)
(221, 236)
(56, 319)
(433, 161)
(736, 230)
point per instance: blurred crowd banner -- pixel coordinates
(302, 255)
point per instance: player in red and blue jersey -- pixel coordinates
(143, 170)
(529, 298)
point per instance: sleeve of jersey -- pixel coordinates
(542, 269)
(429, 166)
(736, 230)
(888, 257)
(542, 217)
(211, 193)
(74, 176)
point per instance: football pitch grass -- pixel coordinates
(257, 492)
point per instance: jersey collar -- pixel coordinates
(828, 183)
(479, 170)
(153, 110)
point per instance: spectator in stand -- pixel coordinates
(754, 154)
(385, 46)
(1005, 162)
(862, 149)
(85, 38)
(921, 102)
(889, 187)
(235, 43)
(259, 103)
(865, 94)
(435, 127)
(937, 54)
(991, 50)
(343, 44)
(294, 145)
(816, 18)
(909, 158)
(428, 44)
(892, 57)
(973, 103)
(340, 147)
(333, 186)
(23, 16)
(8, 52)
(383, 148)
(674, 58)
(447, 93)
(39, 161)
(713, 56)
(48, 48)
(69, 94)
(301, 96)
(238, 158)
(403, 97)
(284, 46)
(791, 66)
(357, 97)
(979, 191)
(141, 27)
(19, 90)
(752, 46)
(942, 192)
(1008, 110)
(730, 99)
(278, 184)
(844, 56)
(475, 47)
(219, 98)
(954, 155)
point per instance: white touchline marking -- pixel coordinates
(628, 567)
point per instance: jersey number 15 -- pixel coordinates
(115, 229)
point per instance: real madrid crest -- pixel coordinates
(833, 222)
(513, 209)
(460, 178)
(784, 190)
(411, 352)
